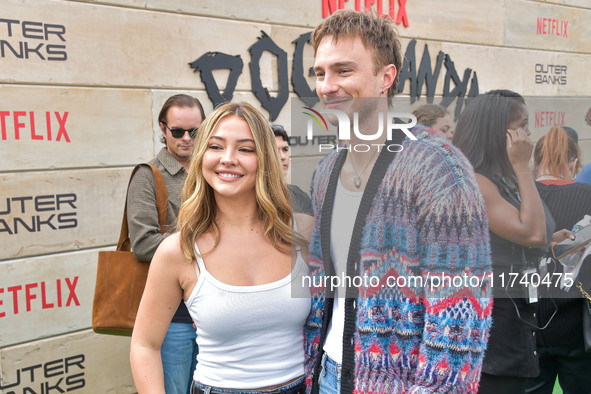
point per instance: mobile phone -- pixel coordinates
(568, 246)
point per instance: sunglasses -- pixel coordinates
(177, 132)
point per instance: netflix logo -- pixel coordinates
(550, 118)
(38, 295)
(554, 27)
(40, 126)
(330, 6)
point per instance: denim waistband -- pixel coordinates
(330, 366)
(296, 387)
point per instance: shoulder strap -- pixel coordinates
(124, 243)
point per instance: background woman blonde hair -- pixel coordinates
(557, 154)
(560, 345)
(198, 213)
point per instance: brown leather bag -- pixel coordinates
(120, 277)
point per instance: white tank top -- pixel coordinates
(249, 336)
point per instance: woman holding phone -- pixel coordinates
(493, 133)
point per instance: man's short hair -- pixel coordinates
(279, 131)
(178, 100)
(428, 114)
(377, 34)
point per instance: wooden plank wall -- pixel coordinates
(81, 85)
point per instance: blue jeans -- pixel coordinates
(207, 389)
(329, 381)
(179, 358)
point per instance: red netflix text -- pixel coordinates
(555, 27)
(330, 6)
(550, 118)
(40, 126)
(38, 295)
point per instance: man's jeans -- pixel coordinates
(179, 358)
(329, 381)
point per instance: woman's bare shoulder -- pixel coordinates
(170, 249)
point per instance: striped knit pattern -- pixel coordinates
(427, 218)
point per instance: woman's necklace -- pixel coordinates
(357, 179)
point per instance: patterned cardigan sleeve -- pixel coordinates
(454, 245)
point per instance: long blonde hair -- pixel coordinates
(198, 212)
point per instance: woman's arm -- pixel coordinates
(526, 226)
(161, 298)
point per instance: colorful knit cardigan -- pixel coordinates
(427, 218)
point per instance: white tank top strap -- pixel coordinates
(201, 273)
(294, 223)
(200, 264)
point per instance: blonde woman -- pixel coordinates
(560, 345)
(232, 264)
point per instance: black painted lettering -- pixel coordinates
(32, 368)
(425, 76)
(47, 205)
(47, 222)
(409, 71)
(22, 200)
(36, 50)
(7, 386)
(4, 227)
(271, 104)
(75, 382)
(460, 89)
(48, 387)
(24, 224)
(6, 44)
(58, 30)
(68, 198)
(30, 28)
(7, 211)
(57, 52)
(211, 61)
(9, 23)
(76, 360)
(298, 80)
(67, 220)
(53, 368)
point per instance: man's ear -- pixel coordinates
(389, 76)
(572, 167)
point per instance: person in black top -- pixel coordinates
(493, 133)
(560, 345)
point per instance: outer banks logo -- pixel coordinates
(393, 122)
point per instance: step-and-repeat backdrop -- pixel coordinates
(81, 84)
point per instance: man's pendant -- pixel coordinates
(357, 182)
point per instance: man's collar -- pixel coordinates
(170, 163)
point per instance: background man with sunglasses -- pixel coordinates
(180, 117)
